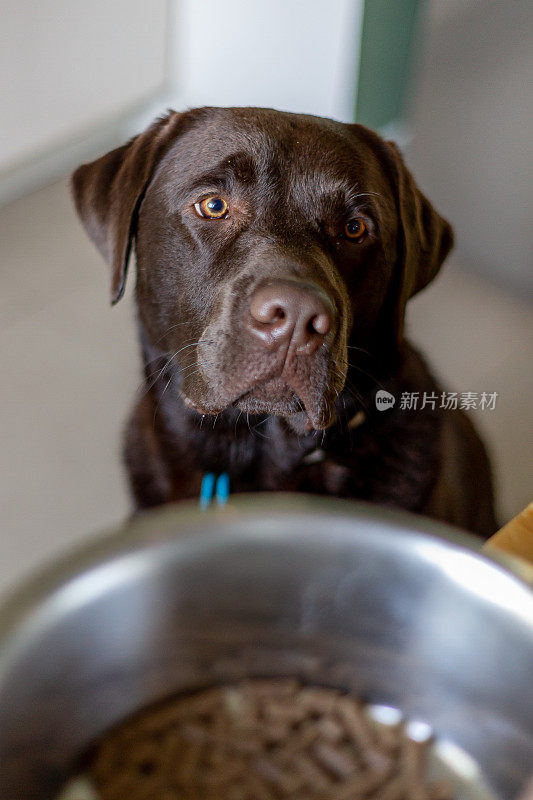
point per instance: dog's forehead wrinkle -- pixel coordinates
(256, 135)
(234, 168)
(329, 188)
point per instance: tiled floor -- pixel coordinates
(69, 370)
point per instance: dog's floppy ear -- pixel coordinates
(108, 193)
(425, 237)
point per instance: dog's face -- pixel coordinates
(267, 244)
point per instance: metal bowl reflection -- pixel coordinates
(402, 610)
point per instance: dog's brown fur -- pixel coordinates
(215, 398)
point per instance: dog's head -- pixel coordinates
(267, 244)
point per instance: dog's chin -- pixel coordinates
(273, 396)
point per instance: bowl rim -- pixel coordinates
(185, 525)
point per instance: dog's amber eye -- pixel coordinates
(355, 228)
(212, 207)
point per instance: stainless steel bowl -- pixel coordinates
(404, 611)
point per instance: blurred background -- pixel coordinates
(450, 80)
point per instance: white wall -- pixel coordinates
(67, 65)
(73, 77)
(80, 77)
(473, 123)
(287, 54)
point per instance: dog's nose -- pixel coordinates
(282, 311)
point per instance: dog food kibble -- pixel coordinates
(263, 740)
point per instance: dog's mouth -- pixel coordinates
(271, 390)
(275, 396)
(270, 396)
(302, 387)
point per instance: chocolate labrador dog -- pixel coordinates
(275, 255)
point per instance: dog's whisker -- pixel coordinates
(194, 372)
(167, 363)
(368, 374)
(193, 369)
(172, 327)
(254, 431)
(301, 406)
(185, 371)
(350, 388)
(171, 358)
(348, 384)
(359, 349)
(159, 401)
(341, 375)
(236, 421)
(356, 396)
(367, 194)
